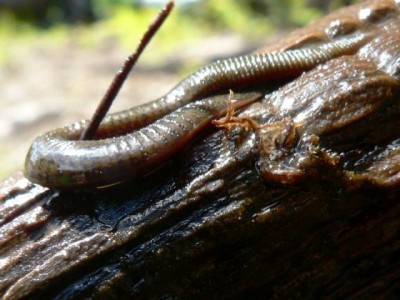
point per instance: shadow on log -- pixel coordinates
(208, 223)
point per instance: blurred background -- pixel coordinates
(58, 57)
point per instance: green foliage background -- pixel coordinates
(126, 20)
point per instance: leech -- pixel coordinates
(103, 162)
(58, 159)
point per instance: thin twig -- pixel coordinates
(121, 75)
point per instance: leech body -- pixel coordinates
(232, 73)
(58, 159)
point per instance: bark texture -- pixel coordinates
(214, 222)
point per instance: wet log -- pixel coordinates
(211, 223)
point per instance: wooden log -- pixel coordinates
(207, 224)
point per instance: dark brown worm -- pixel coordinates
(58, 159)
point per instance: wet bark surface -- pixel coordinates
(218, 220)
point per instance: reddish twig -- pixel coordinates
(122, 74)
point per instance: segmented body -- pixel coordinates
(58, 159)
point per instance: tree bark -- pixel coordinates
(208, 225)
